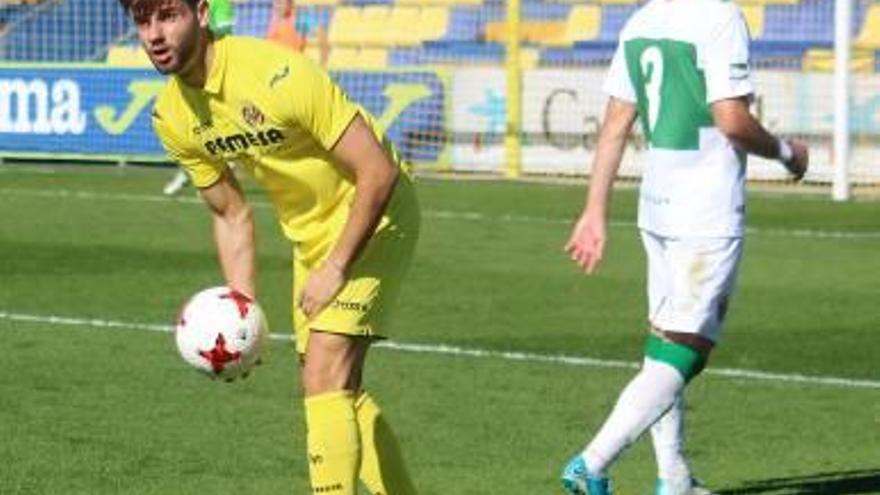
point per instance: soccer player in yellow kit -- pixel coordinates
(342, 197)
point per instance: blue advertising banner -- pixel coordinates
(94, 111)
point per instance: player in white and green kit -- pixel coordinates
(681, 69)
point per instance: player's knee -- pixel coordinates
(331, 364)
(689, 358)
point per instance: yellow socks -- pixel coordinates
(382, 469)
(334, 444)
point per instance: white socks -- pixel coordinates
(643, 401)
(668, 437)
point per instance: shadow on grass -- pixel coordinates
(840, 483)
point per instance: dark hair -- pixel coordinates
(127, 4)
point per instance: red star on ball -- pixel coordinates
(241, 301)
(219, 356)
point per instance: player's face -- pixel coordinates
(170, 31)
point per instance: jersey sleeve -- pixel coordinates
(201, 170)
(726, 60)
(618, 83)
(310, 99)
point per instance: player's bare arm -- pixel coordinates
(733, 118)
(233, 232)
(362, 157)
(587, 241)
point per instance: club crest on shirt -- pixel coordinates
(252, 115)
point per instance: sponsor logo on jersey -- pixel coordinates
(243, 141)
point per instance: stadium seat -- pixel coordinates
(869, 36)
(342, 57)
(583, 23)
(822, 60)
(313, 53)
(127, 56)
(433, 23)
(768, 2)
(530, 32)
(464, 24)
(754, 14)
(303, 3)
(806, 22)
(449, 52)
(349, 57)
(374, 24)
(613, 18)
(439, 2)
(345, 26)
(402, 27)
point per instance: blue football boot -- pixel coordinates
(577, 480)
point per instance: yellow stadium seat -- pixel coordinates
(754, 15)
(401, 29)
(439, 2)
(342, 57)
(316, 2)
(350, 57)
(869, 36)
(128, 56)
(374, 24)
(582, 24)
(768, 2)
(433, 22)
(544, 33)
(540, 32)
(822, 60)
(344, 26)
(372, 58)
(495, 31)
(313, 53)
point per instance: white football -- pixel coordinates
(221, 332)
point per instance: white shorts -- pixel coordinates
(690, 281)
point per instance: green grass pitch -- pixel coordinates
(87, 408)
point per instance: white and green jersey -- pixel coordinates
(675, 58)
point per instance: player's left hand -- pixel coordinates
(587, 242)
(321, 287)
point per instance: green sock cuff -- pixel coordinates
(687, 360)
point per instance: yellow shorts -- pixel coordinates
(364, 303)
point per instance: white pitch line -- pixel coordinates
(450, 350)
(439, 214)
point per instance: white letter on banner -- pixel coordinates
(67, 114)
(16, 94)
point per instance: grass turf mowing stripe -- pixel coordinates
(451, 350)
(439, 214)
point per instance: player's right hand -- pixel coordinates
(800, 160)
(587, 242)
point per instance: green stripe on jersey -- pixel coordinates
(671, 92)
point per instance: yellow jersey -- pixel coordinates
(275, 113)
